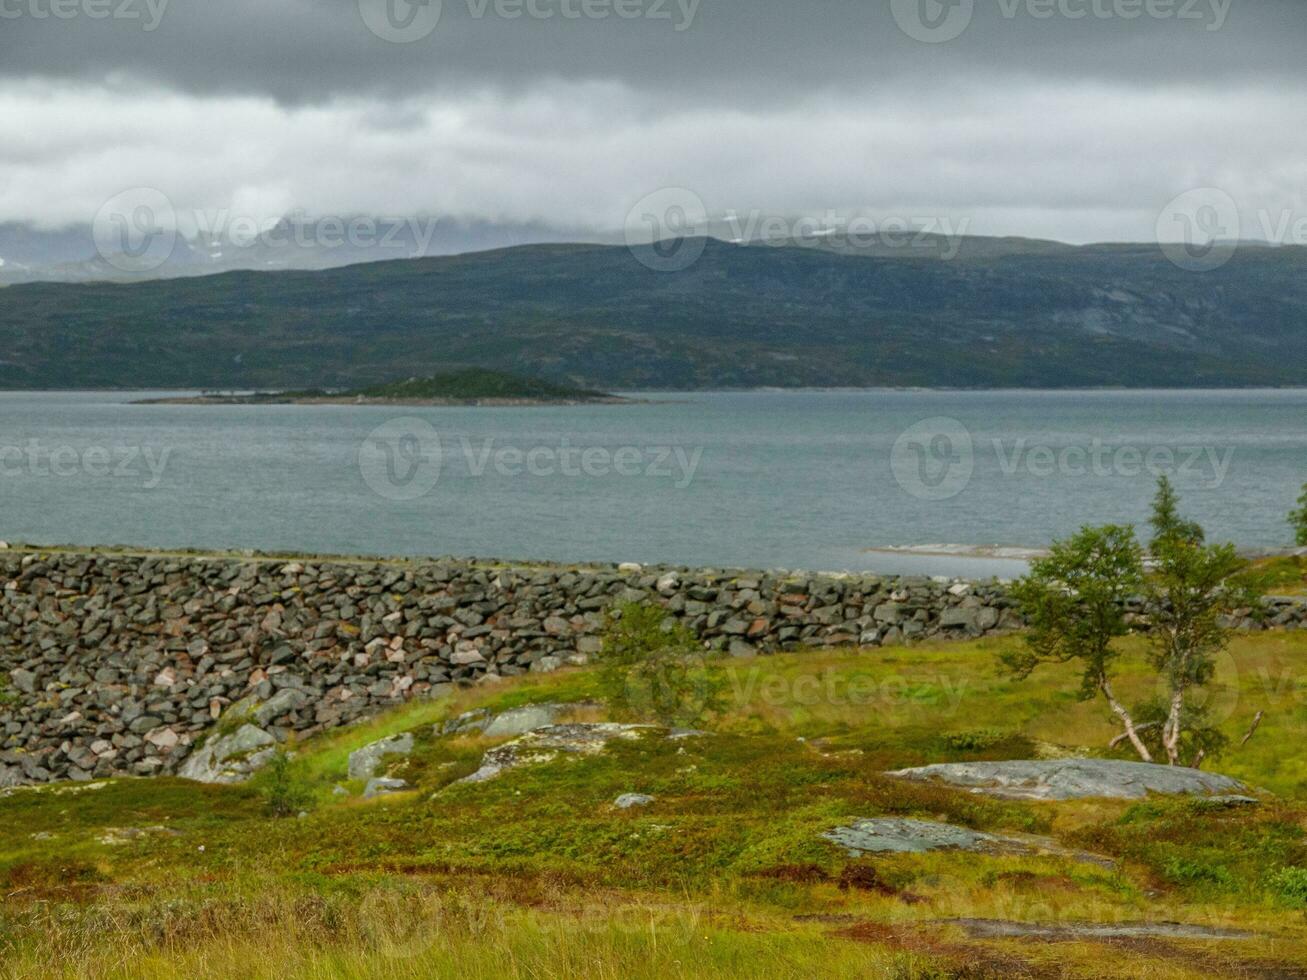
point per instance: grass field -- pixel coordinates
(537, 874)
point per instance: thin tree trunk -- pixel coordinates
(1171, 733)
(1119, 710)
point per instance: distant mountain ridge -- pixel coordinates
(1000, 312)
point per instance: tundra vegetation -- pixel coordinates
(724, 873)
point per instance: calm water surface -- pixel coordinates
(777, 479)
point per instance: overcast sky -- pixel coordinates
(1071, 119)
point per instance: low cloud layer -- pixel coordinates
(1080, 126)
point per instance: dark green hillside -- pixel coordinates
(593, 316)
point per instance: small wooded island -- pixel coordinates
(471, 386)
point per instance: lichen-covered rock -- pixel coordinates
(629, 801)
(230, 758)
(382, 786)
(909, 836)
(1071, 779)
(516, 721)
(364, 762)
(904, 836)
(545, 745)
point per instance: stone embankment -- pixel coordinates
(114, 664)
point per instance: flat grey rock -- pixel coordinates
(898, 835)
(230, 759)
(383, 787)
(545, 744)
(364, 762)
(517, 721)
(1004, 929)
(629, 801)
(1073, 779)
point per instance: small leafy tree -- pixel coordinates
(1074, 601)
(652, 666)
(1192, 591)
(1299, 519)
(1167, 523)
(284, 795)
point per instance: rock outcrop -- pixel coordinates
(1073, 779)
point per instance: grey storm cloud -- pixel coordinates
(310, 50)
(1072, 119)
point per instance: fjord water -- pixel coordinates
(795, 479)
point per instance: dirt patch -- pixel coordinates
(63, 881)
(1212, 964)
(962, 962)
(799, 874)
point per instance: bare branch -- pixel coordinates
(1125, 736)
(1257, 723)
(1131, 732)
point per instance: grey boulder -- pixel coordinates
(629, 801)
(517, 721)
(905, 836)
(230, 758)
(383, 787)
(364, 762)
(546, 744)
(1074, 779)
